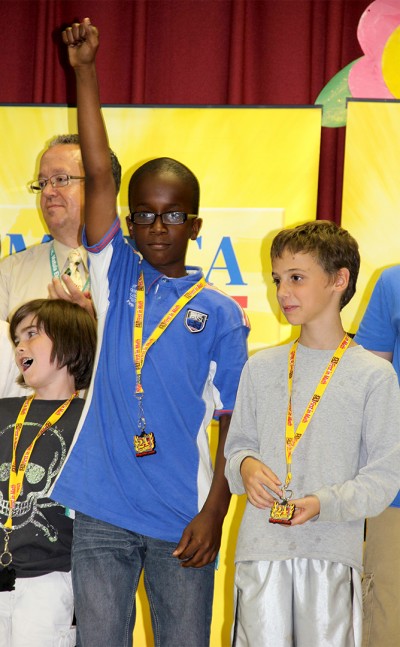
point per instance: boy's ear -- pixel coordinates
(196, 226)
(342, 279)
(129, 224)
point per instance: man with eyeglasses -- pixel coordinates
(60, 183)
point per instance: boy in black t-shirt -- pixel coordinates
(54, 347)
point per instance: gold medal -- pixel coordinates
(144, 444)
(282, 512)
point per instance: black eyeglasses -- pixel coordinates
(56, 181)
(168, 218)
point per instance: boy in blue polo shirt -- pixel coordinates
(171, 349)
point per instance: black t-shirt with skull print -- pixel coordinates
(41, 537)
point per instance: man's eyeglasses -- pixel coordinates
(56, 181)
(167, 218)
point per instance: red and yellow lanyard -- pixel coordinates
(140, 349)
(292, 436)
(17, 475)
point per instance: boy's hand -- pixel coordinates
(74, 294)
(306, 509)
(82, 40)
(256, 476)
(200, 541)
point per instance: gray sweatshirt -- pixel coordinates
(349, 455)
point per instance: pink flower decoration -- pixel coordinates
(376, 24)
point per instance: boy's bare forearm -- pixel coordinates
(100, 191)
(219, 496)
(92, 134)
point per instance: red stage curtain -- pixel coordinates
(203, 52)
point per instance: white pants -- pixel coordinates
(297, 603)
(38, 613)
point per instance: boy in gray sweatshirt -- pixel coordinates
(314, 442)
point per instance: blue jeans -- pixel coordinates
(106, 565)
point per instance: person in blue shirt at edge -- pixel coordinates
(171, 350)
(379, 332)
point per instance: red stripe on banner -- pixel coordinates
(242, 301)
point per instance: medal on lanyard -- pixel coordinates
(6, 556)
(144, 442)
(7, 574)
(283, 512)
(17, 473)
(55, 270)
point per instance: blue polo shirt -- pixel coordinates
(380, 326)
(189, 375)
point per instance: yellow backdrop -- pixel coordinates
(371, 193)
(258, 171)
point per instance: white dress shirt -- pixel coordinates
(26, 275)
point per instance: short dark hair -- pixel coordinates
(72, 331)
(74, 139)
(332, 247)
(168, 165)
